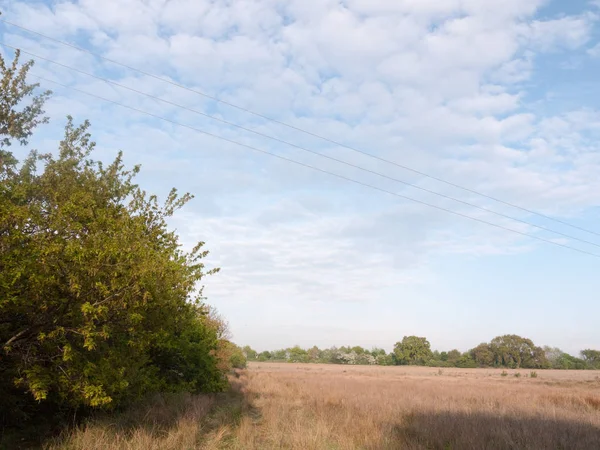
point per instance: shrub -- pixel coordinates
(504, 373)
(517, 375)
(98, 302)
(533, 374)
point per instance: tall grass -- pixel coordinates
(288, 406)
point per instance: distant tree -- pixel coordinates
(454, 356)
(444, 356)
(231, 356)
(465, 361)
(515, 351)
(385, 360)
(279, 355)
(297, 355)
(264, 356)
(591, 357)
(365, 359)
(483, 355)
(553, 354)
(413, 350)
(358, 350)
(314, 354)
(375, 351)
(250, 353)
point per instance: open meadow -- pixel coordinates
(309, 406)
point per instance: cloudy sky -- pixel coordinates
(500, 97)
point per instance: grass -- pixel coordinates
(273, 406)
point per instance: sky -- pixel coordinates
(500, 97)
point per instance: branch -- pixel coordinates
(16, 337)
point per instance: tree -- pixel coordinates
(385, 360)
(18, 118)
(250, 354)
(591, 357)
(376, 351)
(230, 356)
(98, 303)
(358, 350)
(314, 354)
(265, 356)
(297, 355)
(412, 350)
(465, 361)
(279, 355)
(454, 356)
(483, 355)
(515, 351)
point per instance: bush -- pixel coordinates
(504, 373)
(517, 375)
(97, 300)
(533, 374)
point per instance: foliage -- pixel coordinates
(465, 361)
(515, 351)
(233, 356)
(18, 119)
(249, 353)
(503, 351)
(591, 357)
(413, 350)
(98, 303)
(265, 356)
(483, 355)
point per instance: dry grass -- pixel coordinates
(305, 406)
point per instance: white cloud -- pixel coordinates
(594, 51)
(565, 33)
(441, 86)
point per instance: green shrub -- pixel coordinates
(533, 374)
(504, 373)
(517, 375)
(98, 303)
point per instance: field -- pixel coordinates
(305, 406)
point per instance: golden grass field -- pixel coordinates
(307, 406)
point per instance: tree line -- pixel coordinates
(507, 351)
(99, 305)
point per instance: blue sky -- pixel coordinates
(498, 96)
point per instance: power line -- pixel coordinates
(300, 147)
(326, 139)
(319, 169)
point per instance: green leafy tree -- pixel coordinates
(453, 356)
(279, 355)
(591, 357)
(98, 303)
(251, 354)
(20, 110)
(297, 355)
(465, 361)
(265, 356)
(483, 355)
(413, 350)
(314, 354)
(515, 351)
